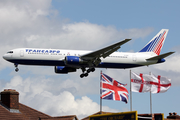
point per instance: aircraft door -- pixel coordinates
(22, 53)
(134, 58)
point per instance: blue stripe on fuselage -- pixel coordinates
(61, 63)
(39, 62)
(118, 65)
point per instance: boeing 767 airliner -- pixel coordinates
(66, 61)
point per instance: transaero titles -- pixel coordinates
(42, 51)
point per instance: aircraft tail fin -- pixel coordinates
(156, 43)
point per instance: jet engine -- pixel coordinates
(74, 60)
(63, 70)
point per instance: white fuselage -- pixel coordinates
(55, 57)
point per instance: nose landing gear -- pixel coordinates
(16, 67)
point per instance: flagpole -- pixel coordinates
(150, 100)
(100, 94)
(130, 93)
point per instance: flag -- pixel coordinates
(112, 89)
(160, 84)
(140, 82)
(147, 83)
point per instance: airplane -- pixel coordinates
(65, 61)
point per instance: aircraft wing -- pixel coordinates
(160, 56)
(94, 57)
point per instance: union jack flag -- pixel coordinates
(112, 89)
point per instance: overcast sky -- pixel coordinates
(87, 25)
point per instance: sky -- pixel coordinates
(87, 25)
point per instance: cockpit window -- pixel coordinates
(10, 52)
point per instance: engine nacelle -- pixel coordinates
(74, 60)
(63, 70)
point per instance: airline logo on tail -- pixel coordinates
(155, 45)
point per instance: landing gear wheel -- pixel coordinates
(16, 66)
(92, 69)
(16, 69)
(89, 70)
(86, 74)
(82, 75)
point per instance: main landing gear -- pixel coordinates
(16, 67)
(87, 72)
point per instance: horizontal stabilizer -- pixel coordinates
(160, 56)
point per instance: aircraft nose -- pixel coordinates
(5, 56)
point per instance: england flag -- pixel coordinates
(140, 82)
(149, 83)
(160, 84)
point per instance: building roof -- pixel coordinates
(71, 117)
(26, 112)
(11, 109)
(98, 113)
(31, 113)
